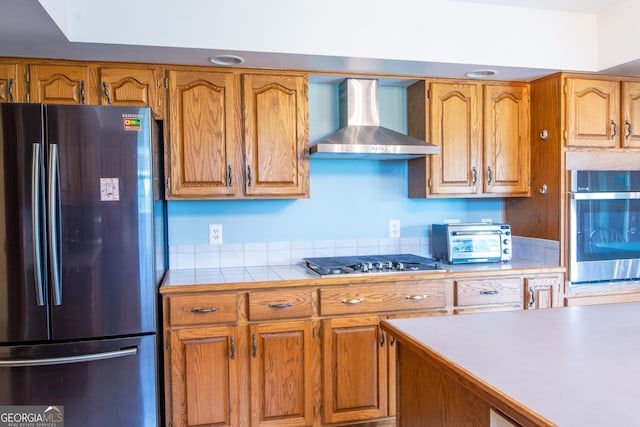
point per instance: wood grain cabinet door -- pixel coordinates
(276, 135)
(204, 127)
(456, 114)
(506, 140)
(630, 114)
(592, 113)
(10, 84)
(137, 87)
(543, 291)
(354, 369)
(60, 84)
(204, 376)
(281, 369)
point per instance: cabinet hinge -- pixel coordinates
(565, 89)
(166, 82)
(564, 134)
(429, 93)
(320, 332)
(169, 183)
(429, 183)
(167, 345)
(28, 76)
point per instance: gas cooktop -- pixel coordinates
(370, 264)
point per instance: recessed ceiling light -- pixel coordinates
(476, 74)
(226, 60)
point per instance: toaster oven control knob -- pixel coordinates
(505, 242)
(506, 251)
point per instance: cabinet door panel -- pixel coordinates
(455, 127)
(204, 372)
(281, 365)
(631, 114)
(60, 84)
(205, 131)
(506, 139)
(355, 370)
(10, 85)
(133, 87)
(276, 135)
(592, 110)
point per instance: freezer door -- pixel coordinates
(100, 213)
(99, 383)
(23, 296)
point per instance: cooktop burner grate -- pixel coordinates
(370, 264)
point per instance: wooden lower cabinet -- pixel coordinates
(312, 355)
(354, 376)
(204, 376)
(281, 374)
(543, 291)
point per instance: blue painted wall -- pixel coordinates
(350, 199)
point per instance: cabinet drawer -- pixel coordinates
(387, 297)
(488, 291)
(198, 309)
(280, 304)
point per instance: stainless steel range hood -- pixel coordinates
(360, 135)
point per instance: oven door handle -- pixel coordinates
(613, 195)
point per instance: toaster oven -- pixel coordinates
(471, 242)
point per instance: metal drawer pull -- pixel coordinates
(353, 301)
(204, 310)
(284, 305)
(493, 292)
(416, 297)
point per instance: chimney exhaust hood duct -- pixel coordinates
(360, 135)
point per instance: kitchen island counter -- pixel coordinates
(573, 366)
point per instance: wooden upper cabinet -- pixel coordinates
(455, 116)
(204, 127)
(506, 139)
(276, 135)
(11, 85)
(630, 131)
(472, 162)
(592, 113)
(138, 87)
(60, 84)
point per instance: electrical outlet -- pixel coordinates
(215, 234)
(394, 228)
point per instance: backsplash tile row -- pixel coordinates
(290, 253)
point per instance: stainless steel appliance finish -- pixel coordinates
(83, 253)
(604, 227)
(370, 264)
(360, 135)
(471, 242)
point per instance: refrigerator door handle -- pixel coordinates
(69, 359)
(36, 211)
(53, 223)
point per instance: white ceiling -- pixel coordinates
(27, 30)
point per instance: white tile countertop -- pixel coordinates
(299, 272)
(574, 366)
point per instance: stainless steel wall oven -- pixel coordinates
(604, 227)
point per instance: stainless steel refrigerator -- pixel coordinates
(82, 252)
